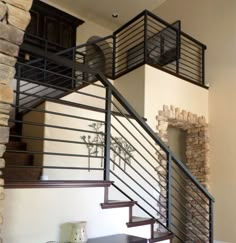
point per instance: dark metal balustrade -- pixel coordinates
(146, 39)
(85, 135)
(78, 129)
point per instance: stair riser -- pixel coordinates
(18, 159)
(21, 174)
(16, 146)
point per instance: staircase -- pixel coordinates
(19, 163)
(135, 221)
(105, 140)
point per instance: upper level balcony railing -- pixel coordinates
(146, 39)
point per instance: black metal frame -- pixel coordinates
(187, 61)
(113, 99)
(142, 128)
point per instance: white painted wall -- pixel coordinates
(131, 86)
(41, 215)
(147, 89)
(164, 89)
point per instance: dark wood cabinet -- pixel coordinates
(53, 25)
(51, 30)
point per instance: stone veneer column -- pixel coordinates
(197, 154)
(14, 18)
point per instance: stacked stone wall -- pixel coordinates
(14, 18)
(197, 161)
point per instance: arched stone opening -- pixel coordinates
(197, 161)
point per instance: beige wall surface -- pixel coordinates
(131, 86)
(164, 89)
(213, 23)
(42, 215)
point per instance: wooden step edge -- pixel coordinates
(56, 184)
(159, 236)
(117, 204)
(139, 221)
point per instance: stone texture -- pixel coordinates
(17, 17)
(14, 18)
(4, 138)
(2, 149)
(2, 182)
(5, 108)
(4, 119)
(6, 94)
(197, 154)
(9, 48)
(7, 71)
(11, 34)
(3, 10)
(23, 4)
(7, 60)
(2, 163)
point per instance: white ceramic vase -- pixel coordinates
(78, 233)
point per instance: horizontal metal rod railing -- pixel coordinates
(145, 170)
(184, 170)
(131, 111)
(54, 167)
(59, 74)
(187, 61)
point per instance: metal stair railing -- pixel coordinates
(165, 188)
(188, 213)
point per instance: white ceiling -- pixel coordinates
(100, 11)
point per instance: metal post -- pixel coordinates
(45, 63)
(145, 37)
(178, 48)
(203, 65)
(211, 222)
(107, 138)
(178, 45)
(18, 91)
(73, 83)
(114, 57)
(169, 190)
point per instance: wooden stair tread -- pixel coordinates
(139, 221)
(117, 204)
(57, 184)
(159, 236)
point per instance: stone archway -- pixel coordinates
(197, 151)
